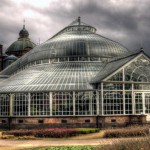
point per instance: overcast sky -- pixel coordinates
(125, 21)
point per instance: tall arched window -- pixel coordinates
(138, 70)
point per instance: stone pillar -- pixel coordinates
(143, 102)
(102, 99)
(97, 103)
(74, 103)
(123, 99)
(11, 98)
(51, 103)
(133, 100)
(90, 101)
(123, 73)
(29, 104)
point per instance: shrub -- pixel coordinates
(88, 130)
(7, 137)
(134, 144)
(56, 133)
(25, 137)
(133, 131)
(52, 132)
(19, 132)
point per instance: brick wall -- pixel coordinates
(121, 121)
(72, 121)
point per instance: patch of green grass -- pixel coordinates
(88, 130)
(65, 148)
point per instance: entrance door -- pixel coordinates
(142, 104)
(147, 105)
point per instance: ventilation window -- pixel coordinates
(87, 121)
(38, 62)
(20, 121)
(113, 120)
(41, 121)
(3, 121)
(63, 121)
(45, 61)
(113, 126)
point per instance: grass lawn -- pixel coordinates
(65, 148)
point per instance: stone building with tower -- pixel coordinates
(16, 49)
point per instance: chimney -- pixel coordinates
(1, 50)
(1, 59)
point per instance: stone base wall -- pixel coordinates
(121, 121)
(71, 121)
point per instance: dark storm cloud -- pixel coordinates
(125, 21)
(127, 24)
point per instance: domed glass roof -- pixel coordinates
(67, 61)
(78, 42)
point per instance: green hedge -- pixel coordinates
(88, 130)
(134, 131)
(52, 132)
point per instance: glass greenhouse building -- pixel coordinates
(76, 78)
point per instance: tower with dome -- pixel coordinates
(16, 49)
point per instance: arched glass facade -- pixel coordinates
(76, 73)
(117, 95)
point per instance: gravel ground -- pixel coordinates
(19, 144)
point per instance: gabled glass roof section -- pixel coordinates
(112, 66)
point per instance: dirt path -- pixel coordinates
(19, 144)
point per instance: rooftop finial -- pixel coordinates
(141, 48)
(24, 24)
(79, 20)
